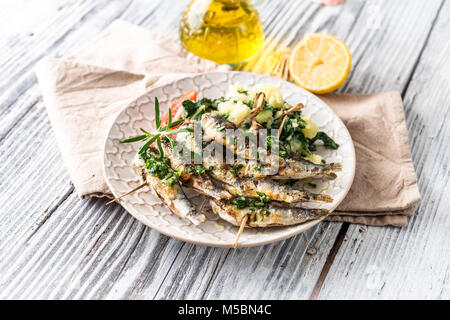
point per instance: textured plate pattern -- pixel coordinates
(148, 209)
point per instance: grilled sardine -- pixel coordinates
(272, 215)
(172, 196)
(200, 182)
(272, 189)
(289, 169)
(215, 126)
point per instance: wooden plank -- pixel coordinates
(290, 254)
(33, 177)
(80, 249)
(285, 270)
(412, 262)
(56, 33)
(385, 38)
(59, 247)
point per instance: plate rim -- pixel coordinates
(302, 227)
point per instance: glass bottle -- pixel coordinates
(224, 31)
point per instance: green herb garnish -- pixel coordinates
(194, 109)
(235, 169)
(156, 163)
(242, 202)
(160, 132)
(327, 141)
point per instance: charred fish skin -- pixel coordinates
(273, 190)
(272, 215)
(237, 183)
(301, 169)
(243, 144)
(291, 169)
(174, 198)
(200, 182)
(215, 126)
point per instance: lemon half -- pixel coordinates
(320, 63)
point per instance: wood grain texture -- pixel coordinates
(412, 262)
(57, 246)
(53, 245)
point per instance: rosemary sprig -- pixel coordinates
(165, 131)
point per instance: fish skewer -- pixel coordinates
(271, 215)
(127, 193)
(289, 168)
(172, 195)
(249, 195)
(200, 182)
(174, 198)
(275, 191)
(279, 168)
(241, 229)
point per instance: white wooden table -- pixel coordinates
(54, 245)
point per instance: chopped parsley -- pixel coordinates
(194, 109)
(160, 167)
(293, 140)
(196, 169)
(242, 202)
(235, 168)
(327, 141)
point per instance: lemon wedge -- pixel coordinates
(320, 63)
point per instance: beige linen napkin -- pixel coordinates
(84, 92)
(384, 189)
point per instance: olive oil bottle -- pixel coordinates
(224, 31)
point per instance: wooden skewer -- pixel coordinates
(127, 193)
(297, 107)
(280, 68)
(288, 112)
(287, 73)
(285, 70)
(241, 229)
(281, 126)
(274, 70)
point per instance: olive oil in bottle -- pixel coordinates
(224, 31)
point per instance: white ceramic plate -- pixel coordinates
(148, 209)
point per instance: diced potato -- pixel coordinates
(278, 114)
(314, 158)
(296, 145)
(310, 130)
(238, 93)
(236, 111)
(273, 95)
(264, 116)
